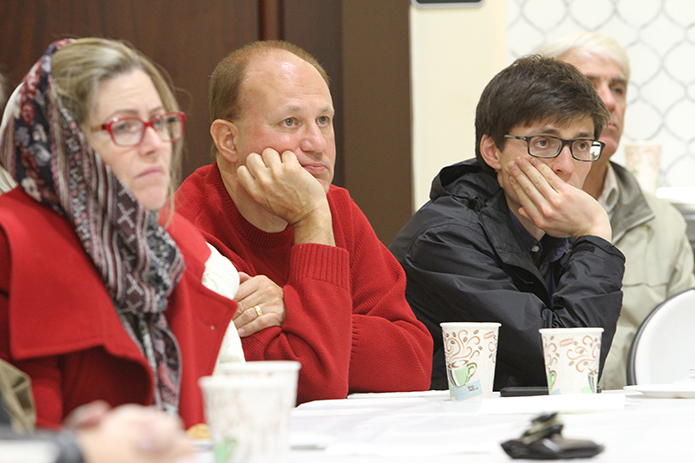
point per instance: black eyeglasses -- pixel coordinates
(546, 146)
(130, 131)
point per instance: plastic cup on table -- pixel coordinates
(248, 408)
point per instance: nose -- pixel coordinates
(563, 164)
(313, 139)
(151, 141)
(607, 96)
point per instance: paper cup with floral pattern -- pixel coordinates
(248, 414)
(470, 350)
(571, 358)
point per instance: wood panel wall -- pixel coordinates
(377, 108)
(187, 38)
(363, 45)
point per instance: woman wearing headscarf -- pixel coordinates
(103, 287)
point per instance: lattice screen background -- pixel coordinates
(659, 36)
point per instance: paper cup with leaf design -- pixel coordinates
(248, 412)
(470, 350)
(571, 358)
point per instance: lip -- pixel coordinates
(314, 168)
(152, 171)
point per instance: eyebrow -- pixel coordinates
(132, 112)
(556, 133)
(298, 109)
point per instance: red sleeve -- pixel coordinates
(348, 321)
(391, 349)
(44, 373)
(318, 328)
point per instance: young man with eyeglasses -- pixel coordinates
(510, 237)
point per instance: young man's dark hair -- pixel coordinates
(535, 89)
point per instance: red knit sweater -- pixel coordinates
(347, 320)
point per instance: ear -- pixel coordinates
(224, 134)
(489, 152)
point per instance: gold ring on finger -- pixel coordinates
(258, 310)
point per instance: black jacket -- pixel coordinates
(465, 262)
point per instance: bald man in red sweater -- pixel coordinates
(317, 286)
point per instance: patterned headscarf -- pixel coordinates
(47, 154)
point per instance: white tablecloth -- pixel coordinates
(407, 428)
(410, 427)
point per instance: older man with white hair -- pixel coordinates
(649, 231)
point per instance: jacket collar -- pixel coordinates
(464, 179)
(470, 184)
(632, 209)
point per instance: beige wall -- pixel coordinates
(454, 53)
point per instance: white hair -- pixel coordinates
(588, 44)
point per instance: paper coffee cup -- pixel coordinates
(470, 350)
(571, 357)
